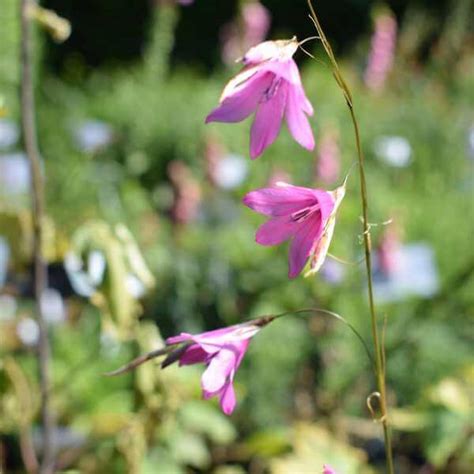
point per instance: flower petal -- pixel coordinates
(287, 70)
(276, 230)
(329, 212)
(182, 337)
(267, 123)
(215, 376)
(280, 200)
(242, 100)
(193, 355)
(302, 244)
(296, 119)
(227, 398)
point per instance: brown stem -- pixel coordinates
(37, 200)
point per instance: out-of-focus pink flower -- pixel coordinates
(328, 469)
(328, 165)
(388, 252)
(187, 193)
(269, 85)
(250, 28)
(222, 351)
(277, 175)
(304, 215)
(257, 21)
(214, 152)
(382, 51)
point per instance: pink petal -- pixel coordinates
(183, 337)
(328, 470)
(227, 398)
(276, 230)
(302, 244)
(326, 203)
(193, 355)
(267, 123)
(215, 376)
(280, 200)
(287, 70)
(297, 120)
(243, 100)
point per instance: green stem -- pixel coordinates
(165, 20)
(378, 347)
(37, 200)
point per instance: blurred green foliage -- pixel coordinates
(303, 384)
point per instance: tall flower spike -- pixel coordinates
(305, 216)
(269, 85)
(222, 351)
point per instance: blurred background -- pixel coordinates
(146, 236)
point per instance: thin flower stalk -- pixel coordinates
(378, 347)
(37, 199)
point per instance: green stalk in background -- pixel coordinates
(30, 142)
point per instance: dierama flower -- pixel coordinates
(329, 157)
(389, 251)
(305, 216)
(328, 470)
(222, 351)
(269, 85)
(382, 51)
(250, 27)
(187, 193)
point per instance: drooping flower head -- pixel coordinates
(269, 85)
(222, 351)
(305, 216)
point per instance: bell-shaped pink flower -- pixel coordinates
(305, 216)
(269, 85)
(222, 351)
(328, 469)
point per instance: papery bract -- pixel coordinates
(222, 351)
(269, 85)
(305, 216)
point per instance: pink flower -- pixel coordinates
(222, 351)
(328, 165)
(249, 28)
(389, 251)
(269, 85)
(304, 215)
(382, 51)
(328, 470)
(187, 193)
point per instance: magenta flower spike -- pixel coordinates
(305, 216)
(222, 351)
(269, 85)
